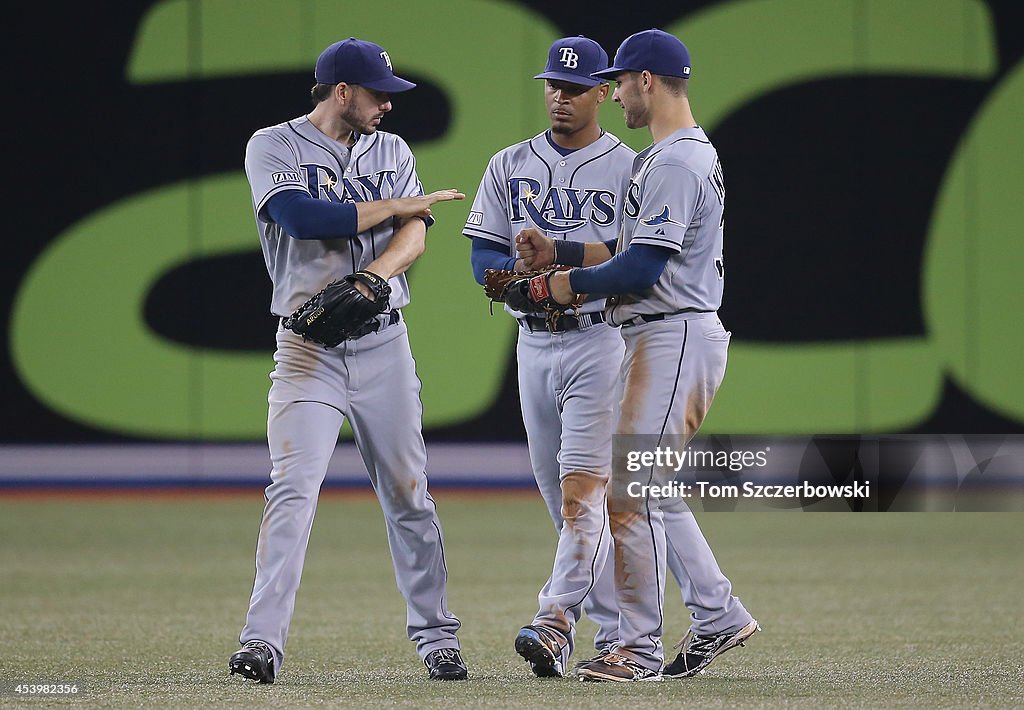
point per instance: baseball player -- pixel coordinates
(333, 195)
(668, 272)
(566, 182)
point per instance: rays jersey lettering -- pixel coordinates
(321, 180)
(558, 210)
(632, 206)
(295, 155)
(575, 196)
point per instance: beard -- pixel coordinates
(352, 118)
(636, 117)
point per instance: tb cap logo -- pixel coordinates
(387, 60)
(568, 57)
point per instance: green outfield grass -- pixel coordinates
(142, 600)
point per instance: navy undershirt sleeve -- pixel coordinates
(630, 271)
(304, 217)
(489, 255)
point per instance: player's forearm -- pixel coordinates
(490, 255)
(370, 214)
(595, 253)
(634, 270)
(304, 217)
(406, 245)
(570, 253)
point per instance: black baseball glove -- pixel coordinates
(340, 312)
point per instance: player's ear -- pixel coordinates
(646, 80)
(343, 92)
(602, 92)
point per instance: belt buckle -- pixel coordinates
(561, 323)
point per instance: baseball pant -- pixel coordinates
(670, 374)
(373, 381)
(565, 381)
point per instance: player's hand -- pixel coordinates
(365, 290)
(561, 292)
(534, 249)
(419, 205)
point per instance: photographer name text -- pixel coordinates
(706, 489)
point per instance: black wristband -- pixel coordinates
(568, 253)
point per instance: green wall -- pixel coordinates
(746, 48)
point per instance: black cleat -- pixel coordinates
(542, 649)
(698, 651)
(446, 664)
(254, 660)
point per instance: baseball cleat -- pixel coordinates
(615, 668)
(698, 651)
(446, 664)
(254, 660)
(600, 654)
(542, 649)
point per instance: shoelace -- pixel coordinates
(635, 668)
(448, 655)
(550, 641)
(702, 645)
(261, 646)
(616, 659)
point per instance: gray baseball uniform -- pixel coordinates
(676, 350)
(372, 381)
(566, 380)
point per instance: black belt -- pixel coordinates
(651, 317)
(562, 323)
(380, 324)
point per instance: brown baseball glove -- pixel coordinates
(527, 291)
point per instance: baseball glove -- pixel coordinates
(527, 291)
(339, 311)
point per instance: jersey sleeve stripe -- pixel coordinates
(657, 242)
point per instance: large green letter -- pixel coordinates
(114, 373)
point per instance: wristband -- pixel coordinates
(568, 253)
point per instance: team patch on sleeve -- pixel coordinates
(476, 218)
(662, 217)
(285, 176)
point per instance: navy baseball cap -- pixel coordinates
(575, 59)
(654, 50)
(356, 61)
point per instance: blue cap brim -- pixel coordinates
(610, 72)
(570, 78)
(391, 85)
